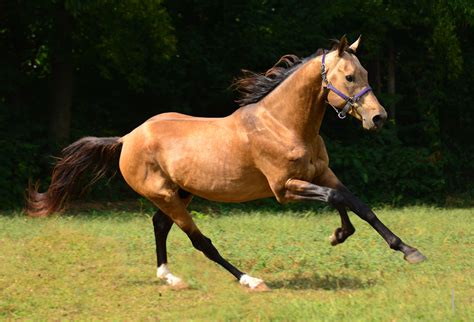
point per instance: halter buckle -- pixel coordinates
(347, 107)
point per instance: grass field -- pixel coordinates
(101, 265)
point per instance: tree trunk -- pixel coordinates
(391, 78)
(62, 79)
(19, 46)
(378, 77)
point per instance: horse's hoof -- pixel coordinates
(333, 240)
(415, 257)
(337, 237)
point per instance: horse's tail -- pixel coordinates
(87, 156)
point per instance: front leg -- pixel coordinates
(302, 190)
(298, 190)
(330, 180)
(346, 229)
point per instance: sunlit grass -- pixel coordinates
(101, 265)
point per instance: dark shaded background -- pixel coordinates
(75, 68)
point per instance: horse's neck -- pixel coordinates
(298, 103)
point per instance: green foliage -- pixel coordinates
(383, 170)
(17, 164)
(133, 35)
(118, 40)
(445, 39)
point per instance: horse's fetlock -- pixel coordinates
(394, 243)
(350, 230)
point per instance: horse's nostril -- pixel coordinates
(378, 120)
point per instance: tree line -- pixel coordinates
(72, 68)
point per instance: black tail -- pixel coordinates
(89, 155)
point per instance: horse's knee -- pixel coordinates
(344, 198)
(336, 198)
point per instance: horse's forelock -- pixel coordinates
(335, 45)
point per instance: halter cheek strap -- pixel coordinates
(350, 101)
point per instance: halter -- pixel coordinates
(350, 101)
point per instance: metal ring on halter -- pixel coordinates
(347, 107)
(339, 113)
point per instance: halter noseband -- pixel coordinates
(350, 101)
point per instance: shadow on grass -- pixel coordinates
(161, 285)
(326, 282)
(145, 282)
(317, 282)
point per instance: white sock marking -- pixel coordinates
(250, 281)
(163, 272)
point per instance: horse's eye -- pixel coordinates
(350, 78)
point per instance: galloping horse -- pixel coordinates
(270, 146)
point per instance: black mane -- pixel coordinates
(252, 86)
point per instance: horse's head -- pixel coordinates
(348, 86)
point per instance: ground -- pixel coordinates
(101, 265)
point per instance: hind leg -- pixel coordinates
(162, 225)
(176, 210)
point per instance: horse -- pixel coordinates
(269, 147)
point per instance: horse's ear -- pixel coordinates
(355, 45)
(342, 46)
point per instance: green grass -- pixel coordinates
(101, 265)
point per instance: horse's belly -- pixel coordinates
(249, 187)
(218, 181)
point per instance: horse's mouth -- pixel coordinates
(376, 127)
(375, 123)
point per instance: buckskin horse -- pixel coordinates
(269, 147)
